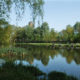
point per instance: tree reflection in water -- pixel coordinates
(38, 53)
(43, 56)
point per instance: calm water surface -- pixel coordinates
(47, 60)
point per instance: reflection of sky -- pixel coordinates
(23, 62)
(57, 64)
(58, 13)
(2, 61)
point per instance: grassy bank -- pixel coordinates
(55, 45)
(36, 44)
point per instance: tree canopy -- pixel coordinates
(36, 7)
(5, 32)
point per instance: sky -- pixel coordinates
(57, 13)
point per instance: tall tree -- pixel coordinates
(53, 35)
(29, 33)
(37, 34)
(70, 32)
(77, 27)
(45, 30)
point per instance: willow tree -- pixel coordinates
(36, 7)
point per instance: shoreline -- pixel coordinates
(52, 45)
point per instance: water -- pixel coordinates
(48, 60)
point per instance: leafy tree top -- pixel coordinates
(36, 7)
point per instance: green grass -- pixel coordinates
(56, 45)
(35, 44)
(40, 44)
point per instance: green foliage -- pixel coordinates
(53, 35)
(77, 27)
(45, 28)
(45, 31)
(64, 35)
(19, 34)
(70, 32)
(36, 7)
(29, 33)
(44, 34)
(77, 37)
(37, 34)
(5, 32)
(9, 33)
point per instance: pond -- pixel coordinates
(45, 58)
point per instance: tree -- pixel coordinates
(64, 35)
(36, 7)
(70, 32)
(53, 35)
(20, 34)
(77, 27)
(67, 34)
(77, 32)
(77, 37)
(44, 31)
(37, 34)
(29, 33)
(5, 32)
